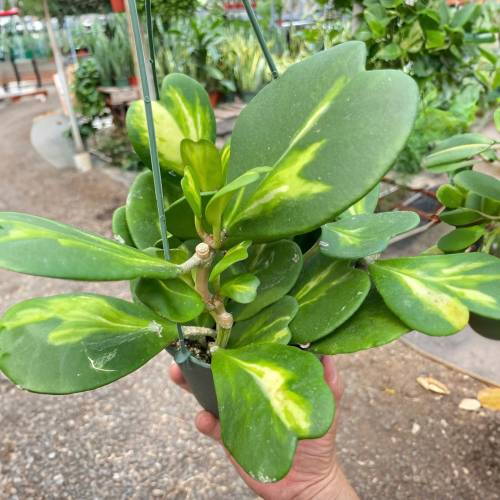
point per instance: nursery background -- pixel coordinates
(420, 417)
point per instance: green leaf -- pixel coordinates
(432, 293)
(221, 199)
(184, 112)
(328, 292)
(365, 205)
(496, 117)
(372, 325)
(172, 299)
(481, 184)
(362, 235)
(142, 212)
(235, 254)
(450, 196)
(33, 245)
(306, 132)
(389, 52)
(460, 239)
(191, 189)
(461, 217)
(120, 228)
(285, 398)
(203, 157)
(241, 288)
(180, 217)
(73, 343)
(277, 265)
(451, 167)
(270, 325)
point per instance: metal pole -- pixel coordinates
(152, 60)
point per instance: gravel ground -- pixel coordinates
(136, 438)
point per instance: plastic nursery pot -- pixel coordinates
(198, 375)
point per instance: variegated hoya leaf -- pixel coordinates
(38, 246)
(269, 325)
(183, 112)
(180, 217)
(241, 288)
(235, 254)
(285, 399)
(340, 137)
(372, 325)
(73, 343)
(365, 205)
(121, 232)
(191, 189)
(328, 292)
(434, 293)
(277, 265)
(204, 158)
(358, 236)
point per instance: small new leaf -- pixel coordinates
(241, 288)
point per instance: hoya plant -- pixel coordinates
(274, 252)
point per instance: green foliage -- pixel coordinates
(304, 164)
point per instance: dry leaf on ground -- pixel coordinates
(469, 404)
(490, 398)
(433, 385)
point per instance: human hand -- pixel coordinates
(315, 473)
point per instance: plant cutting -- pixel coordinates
(274, 253)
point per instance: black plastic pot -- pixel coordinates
(199, 377)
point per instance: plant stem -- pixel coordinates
(224, 327)
(198, 331)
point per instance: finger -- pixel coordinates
(332, 377)
(177, 377)
(207, 424)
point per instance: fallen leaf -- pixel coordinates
(390, 391)
(469, 404)
(433, 385)
(490, 398)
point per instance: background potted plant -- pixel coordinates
(274, 257)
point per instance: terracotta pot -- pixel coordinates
(118, 5)
(199, 377)
(133, 81)
(214, 96)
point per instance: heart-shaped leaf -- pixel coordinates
(460, 239)
(38, 246)
(285, 398)
(328, 292)
(270, 325)
(241, 288)
(191, 189)
(450, 196)
(483, 185)
(277, 265)
(73, 343)
(361, 235)
(120, 228)
(432, 293)
(372, 325)
(365, 205)
(203, 157)
(172, 299)
(184, 112)
(318, 172)
(235, 254)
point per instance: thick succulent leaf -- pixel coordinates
(450, 196)
(203, 157)
(329, 142)
(191, 189)
(277, 265)
(456, 149)
(142, 212)
(241, 288)
(372, 325)
(432, 293)
(221, 199)
(184, 112)
(451, 167)
(358, 236)
(120, 228)
(461, 217)
(38, 246)
(285, 398)
(235, 254)
(73, 343)
(328, 292)
(486, 327)
(270, 325)
(172, 299)
(460, 239)
(481, 184)
(365, 205)
(180, 217)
